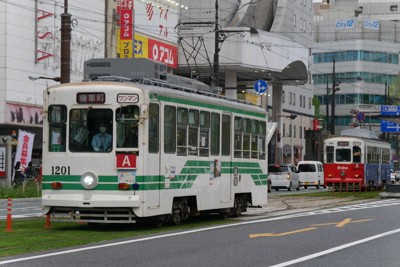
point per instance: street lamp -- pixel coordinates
(56, 79)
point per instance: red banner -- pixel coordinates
(126, 24)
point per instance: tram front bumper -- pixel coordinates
(89, 200)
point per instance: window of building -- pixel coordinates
(283, 130)
(301, 100)
(393, 7)
(294, 131)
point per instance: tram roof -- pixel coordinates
(164, 89)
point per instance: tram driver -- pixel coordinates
(102, 141)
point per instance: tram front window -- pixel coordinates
(343, 155)
(127, 126)
(90, 130)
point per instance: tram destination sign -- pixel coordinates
(390, 110)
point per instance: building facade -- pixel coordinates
(356, 55)
(30, 36)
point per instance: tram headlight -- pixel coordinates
(89, 180)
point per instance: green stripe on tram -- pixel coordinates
(211, 106)
(184, 180)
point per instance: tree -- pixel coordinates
(317, 109)
(394, 92)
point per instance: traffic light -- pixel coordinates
(315, 124)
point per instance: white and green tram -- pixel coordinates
(194, 152)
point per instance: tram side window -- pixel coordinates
(385, 156)
(182, 122)
(57, 118)
(154, 128)
(356, 154)
(215, 133)
(343, 155)
(193, 132)
(254, 138)
(204, 133)
(246, 138)
(261, 140)
(127, 126)
(226, 135)
(237, 146)
(378, 158)
(372, 156)
(169, 129)
(330, 154)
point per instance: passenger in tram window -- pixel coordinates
(102, 141)
(356, 154)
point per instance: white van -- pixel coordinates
(311, 173)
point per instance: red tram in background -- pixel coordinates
(356, 161)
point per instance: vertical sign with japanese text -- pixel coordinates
(125, 10)
(24, 148)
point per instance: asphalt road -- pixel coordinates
(364, 234)
(21, 208)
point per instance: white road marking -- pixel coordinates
(332, 250)
(372, 204)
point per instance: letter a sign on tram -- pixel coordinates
(260, 86)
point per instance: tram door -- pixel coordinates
(154, 178)
(226, 148)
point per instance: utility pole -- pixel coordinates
(333, 100)
(65, 44)
(327, 104)
(216, 48)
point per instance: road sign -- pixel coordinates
(360, 116)
(390, 110)
(390, 127)
(260, 86)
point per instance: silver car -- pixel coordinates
(283, 176)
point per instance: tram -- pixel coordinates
(356, 161)
(192, 152)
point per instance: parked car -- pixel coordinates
(283, 176)
(311, 173)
